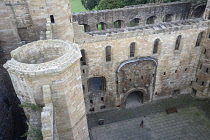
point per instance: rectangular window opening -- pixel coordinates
(52, 19)
(207, 70)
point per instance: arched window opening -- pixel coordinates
(156, 45)
(178, 40)
(83, 59)
(118, 24)
(168, 18)
(198, 12)
(199, 39)
(101, 26)
(151, 20)
(132, 49)
(86, 28)
(134, 22)
(108, 53)
(97, 84)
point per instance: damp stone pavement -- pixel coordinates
(191, 122)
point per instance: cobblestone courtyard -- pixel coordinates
(190, 123)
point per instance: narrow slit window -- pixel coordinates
(132, 49)
(207, 70)
(185, 69)
(52, 19)
(108, 53)
(164, 73)
(156, 45)
(196, 79)
(199, 39)
(175, 71)
(202, 84)
(200, 66)
(204, 51)
(178, 40)
(83, 59)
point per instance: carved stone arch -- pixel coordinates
(142, 90)
(139, 73)
(198, 10)
(151, 20)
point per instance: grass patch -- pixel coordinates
(76, 6)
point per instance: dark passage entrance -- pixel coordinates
(134, 99)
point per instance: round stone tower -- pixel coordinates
(47, 73)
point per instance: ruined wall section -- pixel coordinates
(58, 11)
(9, 37)
(173, 64)
(54, 63)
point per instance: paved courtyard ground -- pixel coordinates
(192, 122)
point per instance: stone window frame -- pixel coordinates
(52, 18)
(199, 39)
(83, 59)
(108, 55)
(103, 80)
(132, 52)
(171, 16)
(118, 23)
(177, 43)
(136, 21)
(103, 26)
(158, 46)
(154, 18)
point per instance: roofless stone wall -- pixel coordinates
(52, 63)
(140, 13)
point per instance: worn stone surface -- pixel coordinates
(188, 123)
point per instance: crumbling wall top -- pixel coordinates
(44, 56)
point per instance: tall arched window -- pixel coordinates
(83, 59)
(101, 26)
(199, 39)
(178, 40)
(118, 24)
(156, 45)
(108, 53)
(132, 49)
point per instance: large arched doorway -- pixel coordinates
(136, 75)
(134, 99)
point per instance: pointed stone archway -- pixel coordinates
(134, 99)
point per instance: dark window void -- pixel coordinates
(86, 28)
(156, 45)
(204, 51)
(151, 20)
(185, 69)
(92, 109)
(168, 18)
(196, 79)
(199, 39)
(207, 70)
(118, 24)
(198, 12)
(102, 98)
(200, 66)
(202, 83)
(108, 53)
(134, 22)
(175, 71)
(164, 73)
(178, 40)
(209, 35)
(52, 19)
(132, 49)
(97, 84)
(83, 59)
(101, 26)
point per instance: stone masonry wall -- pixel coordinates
(176, 68)
(178, 10)
(63, 76)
